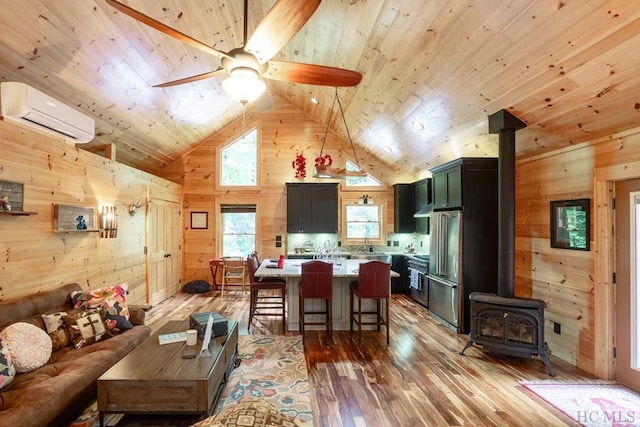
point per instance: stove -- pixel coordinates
(418, 266)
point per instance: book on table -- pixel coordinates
(173, 337)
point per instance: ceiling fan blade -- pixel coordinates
(281, 23)
(141, 17)
(297, 72)
(195, 78)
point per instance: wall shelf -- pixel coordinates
(90, 230)
(17, 213)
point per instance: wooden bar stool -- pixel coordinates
(374, 282)
(267, 296)
(316, 283)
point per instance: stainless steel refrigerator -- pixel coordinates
(446, 288)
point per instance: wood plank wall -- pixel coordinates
(34, 257)
(283, 130)
(565, 279)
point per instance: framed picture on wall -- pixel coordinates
(199, 220)
(570, 222)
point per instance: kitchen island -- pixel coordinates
(342, 276)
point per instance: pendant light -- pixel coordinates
(325, 170)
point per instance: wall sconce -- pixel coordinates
(109, 221)
(135, 205)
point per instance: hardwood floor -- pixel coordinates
(419, 380)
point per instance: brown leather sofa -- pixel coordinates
(50, 395)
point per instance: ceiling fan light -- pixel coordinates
(244, 85)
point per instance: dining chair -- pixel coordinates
(374, 282)
(267, 296)
(233, 272)
(316, 283)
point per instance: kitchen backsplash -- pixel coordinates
(396, 243)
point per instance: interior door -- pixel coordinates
(627, 289)
(164, 256)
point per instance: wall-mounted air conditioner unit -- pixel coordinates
(24, 104)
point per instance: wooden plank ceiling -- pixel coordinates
(568, 68)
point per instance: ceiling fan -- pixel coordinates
(247, 65)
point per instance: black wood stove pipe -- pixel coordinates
(505, 125)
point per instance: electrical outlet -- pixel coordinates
(556, 327)
(396, 243)
(278, 244)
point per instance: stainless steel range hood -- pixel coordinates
(423, 212)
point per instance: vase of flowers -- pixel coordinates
(299, 165)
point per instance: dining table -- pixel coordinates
(344, 272)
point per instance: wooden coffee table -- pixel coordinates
(156, 379)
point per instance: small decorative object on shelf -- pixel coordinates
(300, 165)
(82, 223)
(4, 203)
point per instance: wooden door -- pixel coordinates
(164, 255)
(627, 288)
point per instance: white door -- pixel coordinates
(627, 288)
(164, 257)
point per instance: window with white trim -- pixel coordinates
(363, 221)
(365, 181)
(239, 161)
(238, 229)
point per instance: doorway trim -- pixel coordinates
(604, 263)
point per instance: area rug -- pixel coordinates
(592, 403)
(272, 368)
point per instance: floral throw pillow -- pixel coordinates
(57, 329)
(29, 346)
(7, 370)
(85, 327)
(112, 300)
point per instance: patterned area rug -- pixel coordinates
(596, 403)
(272, 368)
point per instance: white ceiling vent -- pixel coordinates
(24, 104)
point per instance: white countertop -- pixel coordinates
(293, 268)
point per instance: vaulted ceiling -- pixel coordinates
(568, 68)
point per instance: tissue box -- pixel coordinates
(198, 321)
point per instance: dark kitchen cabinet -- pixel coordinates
(399, 285)
(447, 187)
(312, 208)
(423, 202)
(404, 208)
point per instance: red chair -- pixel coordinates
(267, 296)
(374, 282)
(316, 283)
(213, 266)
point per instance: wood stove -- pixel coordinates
(501, 323)
(511, 326)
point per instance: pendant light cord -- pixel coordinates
(344, 120)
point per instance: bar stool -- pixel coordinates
(316, 283)
(374, 282)
(259, 302)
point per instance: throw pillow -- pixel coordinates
(57, 330)
(113, 302)
(85, 327)
(29, 346)
(197, 287)
(248, 413)
(7, 370)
